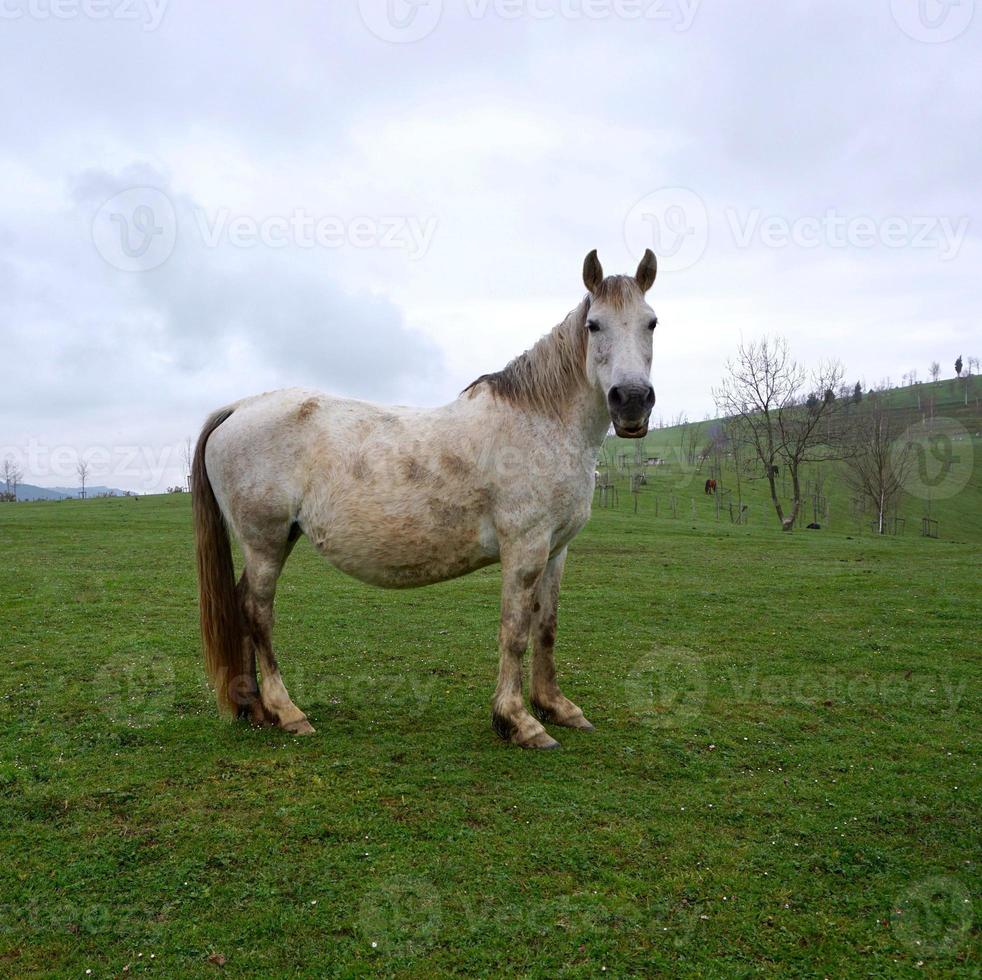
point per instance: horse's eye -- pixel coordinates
(653, 324)
(592, 326)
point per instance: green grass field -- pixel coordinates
(783, 779)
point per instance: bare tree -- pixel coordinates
(935, 371)
(82, 468)
(879, 464)
(691, 434)
(188, 454)
(764, 396)
(733, 437)
(12, 475)
(714, 449)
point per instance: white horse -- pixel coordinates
(403, 497)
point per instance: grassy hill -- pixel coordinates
(956, 503)
(783, 780)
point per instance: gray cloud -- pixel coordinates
(526, 141)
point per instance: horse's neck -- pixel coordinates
(589, 418)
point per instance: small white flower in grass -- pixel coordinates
(313, 901)
(374, 945)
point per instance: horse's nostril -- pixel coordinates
(631, 398)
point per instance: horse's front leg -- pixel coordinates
(549, 703)
(521, 570)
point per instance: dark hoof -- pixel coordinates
(541, 741)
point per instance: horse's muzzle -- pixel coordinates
(630, 406)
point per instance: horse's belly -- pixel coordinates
(405, 552)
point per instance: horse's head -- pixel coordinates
(621, 325)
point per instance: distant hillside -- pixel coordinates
(27, 491)
(954, 398)
(676, 486)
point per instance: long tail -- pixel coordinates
(221, 623)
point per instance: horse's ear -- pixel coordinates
(647, 270)
(593, 274)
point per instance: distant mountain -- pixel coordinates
(26, 491)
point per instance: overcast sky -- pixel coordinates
(386, 199)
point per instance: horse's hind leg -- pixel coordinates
(549, 704)
(257, 592)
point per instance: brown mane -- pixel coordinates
(545, 376)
